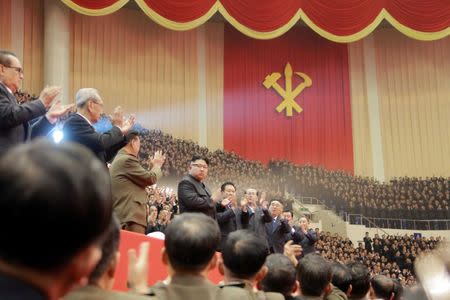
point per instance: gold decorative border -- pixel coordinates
(218, 7)
(95, 12)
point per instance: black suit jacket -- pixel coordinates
(15, 127)
(194, 196)
(276, 234)
(104, 145)
(308, 242)
(230, 220)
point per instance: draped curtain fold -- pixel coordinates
(339, 21)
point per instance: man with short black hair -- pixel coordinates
(15, 120)
(382, 287)
(341, 281)
(243, 258)
(314, 277)
(69, 189)
(193, 194)
(360, 280)
(230, 217)
(281, 276)
(190, 253)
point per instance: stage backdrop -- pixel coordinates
(258, 79)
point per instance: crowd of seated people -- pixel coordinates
(406, 198)
(391, 256)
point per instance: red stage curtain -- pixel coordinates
(180, 10)
(340, 21)
(321, 134)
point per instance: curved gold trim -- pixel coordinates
(384, 14)
(176, 25)
(95, 12)
(258, 34)
(415, 34)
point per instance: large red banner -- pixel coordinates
(298, 70)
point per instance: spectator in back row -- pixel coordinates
(69, 189)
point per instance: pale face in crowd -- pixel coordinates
(276, 208)
(95, 109)
(304, 224)
(12, 75)
(288, 217)
(198, 169)
(229, 191)
(251, 196)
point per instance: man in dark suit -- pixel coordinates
(78, 127)
(193, 194)
(128, 182)
(277, 229)
(307, 237)
(15, 126)
(259, 215)
(229, 216)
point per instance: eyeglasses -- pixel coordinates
(18, 69)
(200, 166)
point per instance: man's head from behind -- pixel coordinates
(360, 280)
(314, 275)
(191, 243)
(281, 275)
(65, 191)
(342, 278)
(244, 255)
(103, 274)
(133, 143)
(385, 288)
(11, 72)
(89, 104)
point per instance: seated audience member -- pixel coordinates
(280, 277)
(189, 253)
(78, 127)
(128, 182)
(314, 277)
(382, 287)
(341, 281)
(243, 258)
(101, 280)
(360, 280)
(69, 189)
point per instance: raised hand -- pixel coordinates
(49, 94)
(117, 117)
(244, 203)
(127, 125)
(138, 268)
(292, 250)
(216, 195)
(57, 111)
(158, 159)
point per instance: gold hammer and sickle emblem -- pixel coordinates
(288, 94)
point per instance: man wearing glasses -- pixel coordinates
(193, 194)
(15, 126)
(78, 127)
